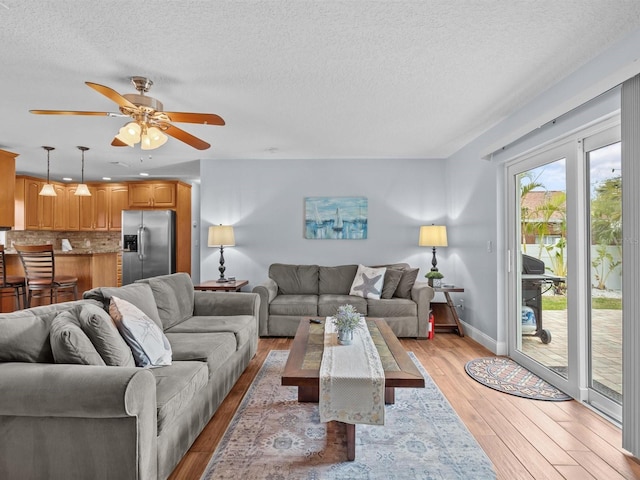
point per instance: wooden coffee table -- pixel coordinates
(302, 369)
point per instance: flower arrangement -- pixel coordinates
(346, 318)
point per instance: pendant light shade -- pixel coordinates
(82, 190)
(47, 188)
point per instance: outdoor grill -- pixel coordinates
(533, 281)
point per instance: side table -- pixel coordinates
(215, 286)
(446, 315)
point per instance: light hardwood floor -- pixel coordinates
(525, 439)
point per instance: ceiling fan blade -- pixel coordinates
(70, 112)
(111, 94)
(203, 118)
(118, 143)
(186, 137)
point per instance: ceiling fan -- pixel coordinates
(149, 122)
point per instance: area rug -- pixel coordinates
(274, 437)
(505, 375)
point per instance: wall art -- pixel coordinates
(335, 218)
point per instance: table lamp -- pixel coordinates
(221, 235)
(433, 236)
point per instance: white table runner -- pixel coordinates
(351, 378)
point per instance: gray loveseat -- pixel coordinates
(295, 291)
(62, 421)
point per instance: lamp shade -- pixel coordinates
(48, 190)
(433, 236)
(221, 235)
(82, 190)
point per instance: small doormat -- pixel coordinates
(505, 375)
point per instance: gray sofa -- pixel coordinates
(295, 291)
(66, 421)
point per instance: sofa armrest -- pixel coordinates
(422, 293)
(268, 290)
(63, 405)
(226, 303)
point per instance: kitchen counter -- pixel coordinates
(93, 269)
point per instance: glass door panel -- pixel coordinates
(542, 270)
(605, 325)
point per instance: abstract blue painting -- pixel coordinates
(335, 218)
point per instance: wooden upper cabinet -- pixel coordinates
(100, 207)
(118, 201)
(7, 188)
(152, 194)
(73, 208)
(60, 210)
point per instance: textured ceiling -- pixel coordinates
(293, 79)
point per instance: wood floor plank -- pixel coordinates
(511, 430)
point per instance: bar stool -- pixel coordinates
(11, 285)
(39, 266)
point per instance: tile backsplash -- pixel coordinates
(80, 241)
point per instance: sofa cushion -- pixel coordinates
(243, 327)
(70, 344)
(294, 305)
(176, 386)
(212, 348)
(139, 294)
(24, 335)
(336, 280)
(295, 279)
(148, 343)
(174, 297)
(406, 283)
(394, 307)
(368, 282)
(391, 281)
(99, 327)
(328, 304)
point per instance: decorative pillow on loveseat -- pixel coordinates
(368, 282)
(149, 345)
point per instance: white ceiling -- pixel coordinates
(293, 79)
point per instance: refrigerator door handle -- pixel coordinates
(141, 240)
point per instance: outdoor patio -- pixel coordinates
(607, 347)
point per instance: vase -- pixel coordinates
(345, 336)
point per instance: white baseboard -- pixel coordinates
(498, 348)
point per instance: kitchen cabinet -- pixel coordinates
(118, 201)
(152, 194)
(32, 211)
(7, 188)
(102, 211)
(73, 209)
(60, 212)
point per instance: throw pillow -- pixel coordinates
(368, 282)
(148, 343)
(70, 344)
(391, 281)
(406, 283)
(99, 327)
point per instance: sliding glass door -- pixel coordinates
(565, 251)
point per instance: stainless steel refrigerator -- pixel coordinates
(148, 244)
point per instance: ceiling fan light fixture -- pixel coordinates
(152, 138)
(47, 188)
(129, 134)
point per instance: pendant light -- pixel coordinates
(47, 188)
(83, 190)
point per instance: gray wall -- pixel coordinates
(264, 201)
